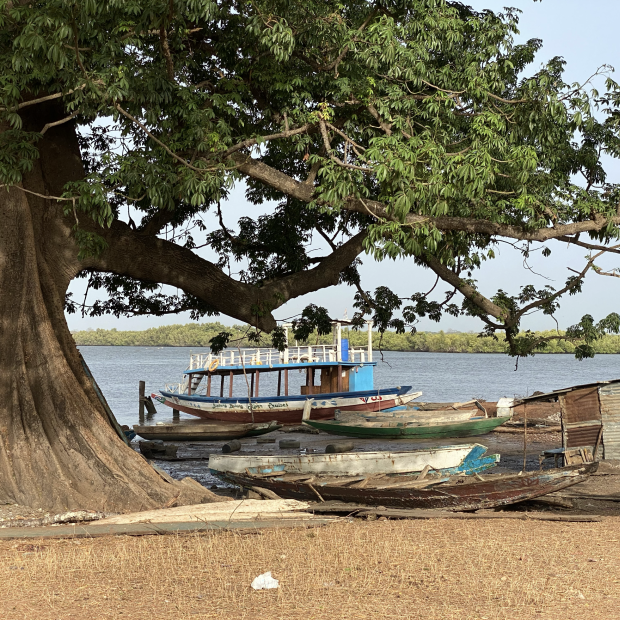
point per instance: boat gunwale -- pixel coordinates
(364, 425)
(395, 391)
(462, 446)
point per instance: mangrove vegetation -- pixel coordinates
(200, 334)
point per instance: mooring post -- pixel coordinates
(175, 415)
(141, 397)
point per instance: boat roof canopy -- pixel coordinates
(238, 369)
(556, 393)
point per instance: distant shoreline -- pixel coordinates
(189, 346)
(199, 335)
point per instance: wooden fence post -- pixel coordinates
(141, 397)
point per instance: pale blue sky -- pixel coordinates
(585, 35)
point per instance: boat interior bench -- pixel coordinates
(570, 456)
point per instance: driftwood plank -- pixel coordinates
(432, 514)
(519, 430)
(268, 494)
(359, 510)
(600, 498)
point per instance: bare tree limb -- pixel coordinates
(163, 37)
(252, 141)
(25, 104)
(132, 253)
(467, 290)
(387, 127)
(589, 246)
(60, 122)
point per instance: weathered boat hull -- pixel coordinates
(491, 493)
(453, 458)
(409, 430)
(285, 410)
(421, 417)
(197, 430)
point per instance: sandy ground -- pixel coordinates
(352, 569)
(431, 570)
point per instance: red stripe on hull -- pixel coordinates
(282, 416)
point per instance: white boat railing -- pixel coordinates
(176, 388)
(267, 356)
(271, 357)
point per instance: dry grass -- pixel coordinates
(435, 570)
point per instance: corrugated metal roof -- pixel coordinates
(565, 390)
(610, 410)
(581, 405)
(582, 436)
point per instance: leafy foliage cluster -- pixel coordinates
(413, 121)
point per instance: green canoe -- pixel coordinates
(408, 430)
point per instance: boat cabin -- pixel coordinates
(328, 368)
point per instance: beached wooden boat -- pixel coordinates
(408, 430)
(426, 417)
(457, 493)
(453, 459)
(202, 430)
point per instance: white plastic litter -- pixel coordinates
(265, 582)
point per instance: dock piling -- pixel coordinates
(141, 399)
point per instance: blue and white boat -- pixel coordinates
(345, 383)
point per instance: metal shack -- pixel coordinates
(590, 418)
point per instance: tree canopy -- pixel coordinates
(397, 127)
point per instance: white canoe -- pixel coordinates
(349, 463)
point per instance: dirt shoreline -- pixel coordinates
(194, 463)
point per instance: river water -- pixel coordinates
(440, 376)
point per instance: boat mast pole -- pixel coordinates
(279, 382)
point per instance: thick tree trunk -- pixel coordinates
(58, 449)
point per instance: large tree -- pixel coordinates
(399, 127)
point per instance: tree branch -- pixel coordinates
(252, 141)
(589, 246)
(132, 253)
(260, 171)
(467, 290)
(60, 122)
(25, 104)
